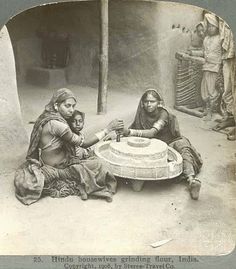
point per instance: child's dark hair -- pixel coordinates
(75, 113)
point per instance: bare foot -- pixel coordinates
(103, 194)
(232, 135)
(208, 117)
(109, 199)
(194, 188)
(224, 124)
(84, 196)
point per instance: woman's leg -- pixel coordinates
(191, 165)
(193, 182)
(94, 177)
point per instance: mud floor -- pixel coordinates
(133, 220)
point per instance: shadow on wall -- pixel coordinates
(79, 19)
(142, 41)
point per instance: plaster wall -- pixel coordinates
(185, 17)
(142, 43)
(12, 134)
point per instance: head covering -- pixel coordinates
(58, 97)
(201, 23)
(212, 19)
(150, 90)
(49, 114)
(144, 120)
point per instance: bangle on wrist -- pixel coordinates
(133, 132)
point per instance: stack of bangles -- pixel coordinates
(157, 125)
(133, 132)
(100, 135)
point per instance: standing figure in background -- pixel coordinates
(198, 36)
(196, 50)
(189, 72)
(229, 69)
(213, 59)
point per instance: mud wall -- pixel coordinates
(142, 41)
(143, 44)
(12, 135)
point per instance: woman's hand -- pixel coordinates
(110, 136)
(125, 131)
(115, 125)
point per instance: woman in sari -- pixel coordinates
(153, 120)
(50, 169)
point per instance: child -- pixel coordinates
(197, 37)
(213, 59)
(76, 123)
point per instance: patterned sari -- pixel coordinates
(170, 134)
(86, 178)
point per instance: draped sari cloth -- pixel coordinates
(48, 114)
(229, 68)
(170, 134)
(229, 63)
(144, 120)
(34, 179)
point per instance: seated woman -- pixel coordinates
(153, 120)
(49, 168)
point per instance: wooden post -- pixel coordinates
(103, 59)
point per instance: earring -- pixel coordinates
(160, 104)
(56, 107)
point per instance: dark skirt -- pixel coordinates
(85, 178)
(192, 161)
